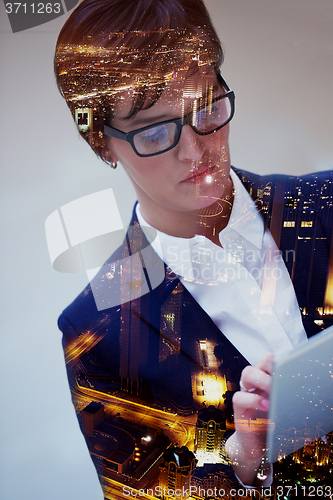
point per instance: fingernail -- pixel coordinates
(264, 404)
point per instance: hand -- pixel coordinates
(246, 447)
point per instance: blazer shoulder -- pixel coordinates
(259, 180)
(83, 313)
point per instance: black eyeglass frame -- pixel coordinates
(186, 120)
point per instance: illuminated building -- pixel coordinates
(317, 449)
(112, 448)
(92, 415)
(84, 119)
(170, 329)
(208, 384)
(176, 472)
(303, 244)
(120, 446)
(210, 477)
(329, 438)
(322, 452)
(297, 456)
(134, 337)
(210, 429)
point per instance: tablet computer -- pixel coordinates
(301, 400)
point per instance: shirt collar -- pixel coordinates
(244, 218)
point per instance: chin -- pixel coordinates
(205, 202)
(209, 194)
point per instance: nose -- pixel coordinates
(190, 146)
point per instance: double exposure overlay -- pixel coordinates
(154, 400)
(169, 348)
(93, 78)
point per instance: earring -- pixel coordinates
(106, 157)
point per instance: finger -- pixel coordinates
(245, 401)
(255, 379)
(246, 389)
(266, 363)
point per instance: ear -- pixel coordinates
(107, 156)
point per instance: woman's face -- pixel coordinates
(192, 175)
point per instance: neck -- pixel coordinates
(211, 220)
(208, 221)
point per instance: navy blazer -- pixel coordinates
(147, 346)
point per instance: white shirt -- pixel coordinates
(244, 287)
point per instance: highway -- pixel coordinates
(179, 429)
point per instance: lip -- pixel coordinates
(200, 174)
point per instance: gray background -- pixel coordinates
(279, 56)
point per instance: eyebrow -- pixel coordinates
(150, 120)
(138, 122)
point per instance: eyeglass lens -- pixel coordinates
(155, 139)
(159, 138)
(212, 116)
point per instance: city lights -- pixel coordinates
(154, 400)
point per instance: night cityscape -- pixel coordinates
(153, 440)
(154, 421)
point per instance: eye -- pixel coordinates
(154, 134)
(206, 115)
(212, 115)
(155, 138)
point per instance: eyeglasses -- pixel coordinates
(161, 137)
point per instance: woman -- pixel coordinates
(142, 79)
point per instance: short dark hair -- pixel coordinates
(108, 45)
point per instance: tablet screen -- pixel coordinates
(301, 401)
